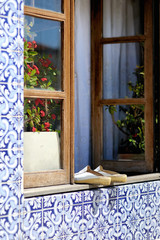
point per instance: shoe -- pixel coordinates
(87, 175)
(115, 177)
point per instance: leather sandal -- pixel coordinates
(89, 176)
(115, 177)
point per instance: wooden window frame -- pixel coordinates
(64, 175)
(97, 99)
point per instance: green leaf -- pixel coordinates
(29, 112)
(33, 72)
(119, 123)
(33, 53)
(112, 109)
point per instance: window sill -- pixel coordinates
(33, 192)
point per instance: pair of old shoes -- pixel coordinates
(98, 176)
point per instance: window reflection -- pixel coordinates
(52, 5)
(123, 127)
(123, 70)
(42, 115)
(42, 132)
(42, 54)
(123, 18)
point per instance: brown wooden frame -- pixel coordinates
(64, 175)
(98, 102)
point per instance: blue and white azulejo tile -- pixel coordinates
(8, 134)
(9, 227)
(9, 8)
(10, 99)
(53, 201)
(9, 67)
(8, 32)
(53, 224)
(32, 204)
(31, 226)
(9, 166)
(9, 198)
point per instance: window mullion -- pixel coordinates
(30, 93)
(128, 39)
(45, 14)
(148, 86)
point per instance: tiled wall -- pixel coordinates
(124, 212)
(11, 117)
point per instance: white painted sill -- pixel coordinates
(42, 191)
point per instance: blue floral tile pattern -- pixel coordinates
(9, 164)
(128, 213)
(10, 65)
(53, 224)
(9, 8)
(113, 213)
(32, 226)
(8, 32)
(10, 198)
(73, 198)
(73, 219)
(9, 227)
(10, 96)
(53, 201)
(32, 205)
(8, 134)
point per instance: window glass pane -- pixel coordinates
(52, 5)
(123, 132)
(123, 18)
(42, 54)
(123, 71)
(42, 126)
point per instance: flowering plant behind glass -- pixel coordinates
(133, 123)
(39, 73)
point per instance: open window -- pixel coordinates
(122, 85)
(48, 102)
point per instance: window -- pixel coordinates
(48, 93)
(122, 85)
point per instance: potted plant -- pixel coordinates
(132, 124)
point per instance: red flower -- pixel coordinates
(44, 79)
(42, 113)
(47, 129)
(37, 70)
(29, 44)
(135, 135)
(29, 67)
(34, 129)
(53, 116)
(47, 125)
(48, 61)
(45, 62)
(39, 101)
(50, 55)
(35, 45)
